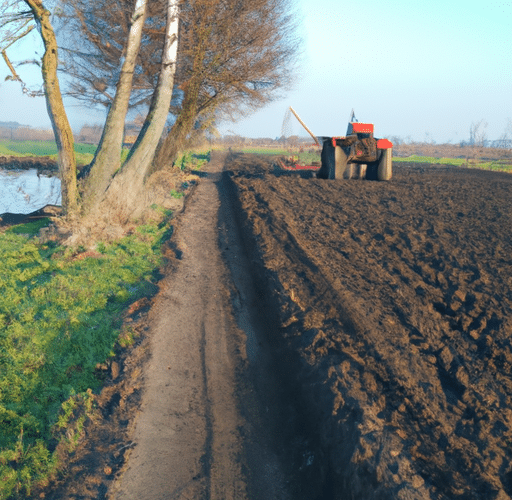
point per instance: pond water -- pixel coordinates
(23, 191)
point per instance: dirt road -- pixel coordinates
(201, 432)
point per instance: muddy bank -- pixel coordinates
(44, 164)
(394, 301)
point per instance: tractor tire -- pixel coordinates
(327, 170)
(385, 167)
(360, 171)
(349, 171)
(340, 162)
(334, 162)
(371, 171)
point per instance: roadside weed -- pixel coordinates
(192, 160)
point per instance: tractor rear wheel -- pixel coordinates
(334, 162)
(328, 164)
(340, 162)
(349, 171)
(385, 168)
(371, 171)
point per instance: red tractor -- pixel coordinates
(359, 155)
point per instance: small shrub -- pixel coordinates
(177, 194)
(192, 161)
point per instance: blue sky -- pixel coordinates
(418, 70)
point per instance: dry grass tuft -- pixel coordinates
(163, 195)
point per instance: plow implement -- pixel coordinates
(292, 163)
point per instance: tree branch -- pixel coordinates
(15, 75)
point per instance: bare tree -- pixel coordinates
(234, 57)
(127, 185)
(15, 24)
(93, 36)
(90, 134)
(57, 113)
(477, 133)
(506, 136)
(233, 68)
(108, 157)
(237, 57)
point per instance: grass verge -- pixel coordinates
(496, 165)
(61, 311)
(84, 153)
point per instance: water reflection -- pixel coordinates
(23, 191)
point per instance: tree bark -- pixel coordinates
(128, 183)
(57, 113)
(143, 152)
(108, 155)
(173, 142)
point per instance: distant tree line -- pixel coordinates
(16, 132)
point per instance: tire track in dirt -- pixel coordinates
(187, 438)
(207, 457)
(415, 401)
(211, 421)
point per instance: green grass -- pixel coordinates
(84, 152)
(430, 159)
(192, 160)
(304, 157)
(498, 165)
(60, 315)
(265, 151)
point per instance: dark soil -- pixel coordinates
(385, 340)
(395, 304)
(9, 219)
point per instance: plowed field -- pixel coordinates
(394, 302)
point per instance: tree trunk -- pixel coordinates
(60, 124)
(128, 183)
(174, 141)
(108, 155)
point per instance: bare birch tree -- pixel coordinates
(107, 160)
(108, 155)
(234, 57)
(127, 185)
(232, 62)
